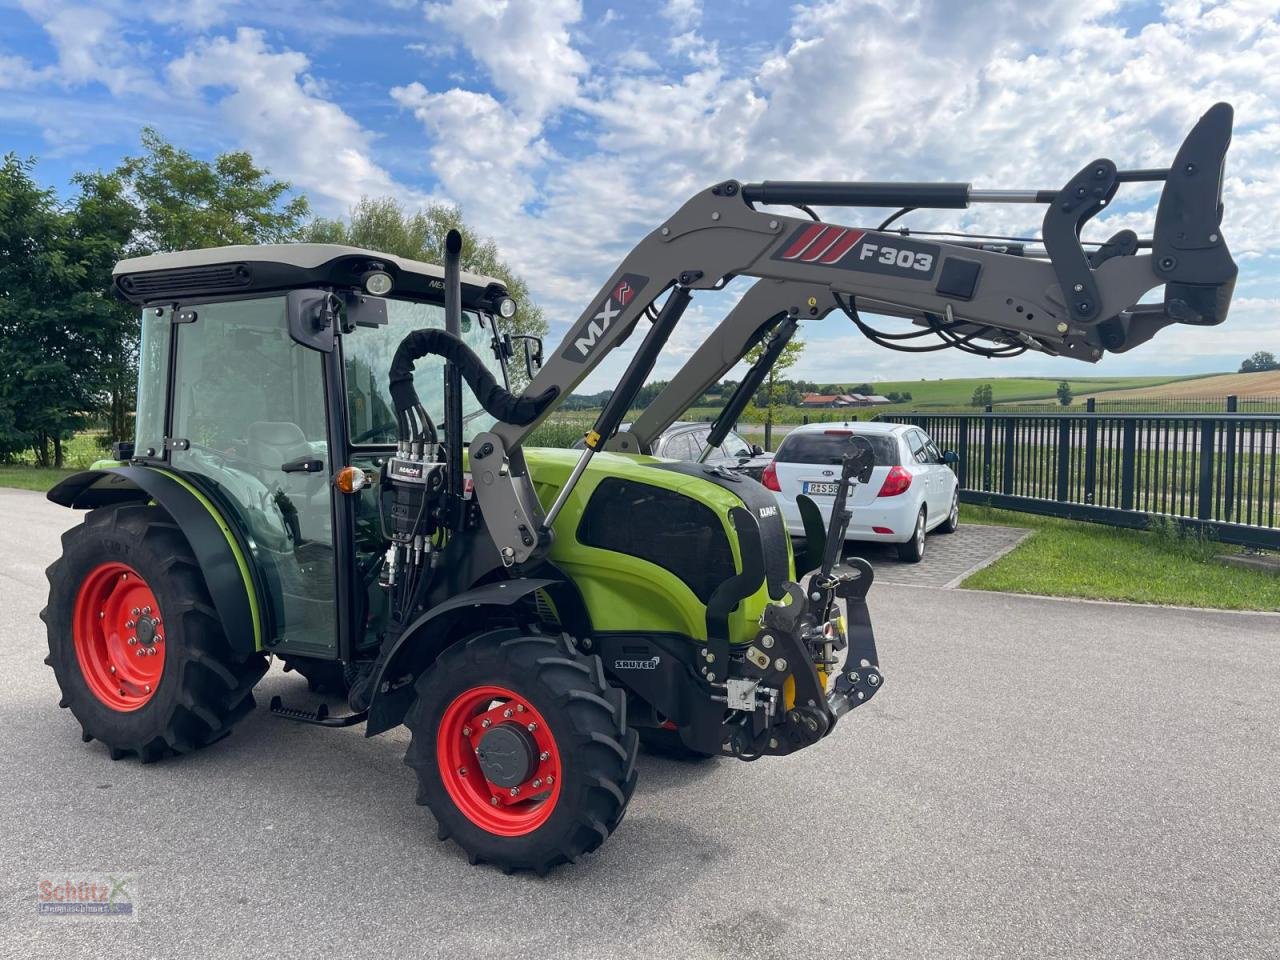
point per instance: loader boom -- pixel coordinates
(1064, 302)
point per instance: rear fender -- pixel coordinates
(223, 560)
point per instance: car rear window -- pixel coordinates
(827, 448)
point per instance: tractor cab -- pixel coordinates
(263, 373)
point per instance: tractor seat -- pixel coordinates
(273, 443)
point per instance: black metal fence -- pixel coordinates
(1217, 472)
(1223, 404)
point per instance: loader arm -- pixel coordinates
(1064, 301)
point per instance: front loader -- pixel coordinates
(329, 468)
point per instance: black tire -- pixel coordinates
(952, 523)
(913, 550)
(322, 676)
(667, 743)
(585, 717)
(202, 689)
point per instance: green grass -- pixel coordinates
(30, 478)
(78, 453)
(1065, 558)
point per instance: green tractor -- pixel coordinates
(329, 468)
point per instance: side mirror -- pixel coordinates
(950, 457)
(312, 316)
(532, 352)
(757, 450)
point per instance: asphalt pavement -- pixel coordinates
(1038, 778)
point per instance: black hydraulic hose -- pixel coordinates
(496, 399)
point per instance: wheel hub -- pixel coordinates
(507, 755)
(118, 636)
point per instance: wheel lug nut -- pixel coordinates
(462, 771)
(111, 669)
(159, 638)
(146, 611)
(537, 783)
(128, 624)
(466, 731)
(151, 651)
(549, 781)
(532, 727)
(494, 801)
(544, 755)
(133, 641)
(515, 791)
(135, 611)
(507, 714)
(519, 708)
(147, 688)
(486, 723)
(142, 652)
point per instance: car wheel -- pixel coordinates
(950, 524)
(913, 550)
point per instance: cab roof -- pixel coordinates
(251, 269)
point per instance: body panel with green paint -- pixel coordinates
(622, 592)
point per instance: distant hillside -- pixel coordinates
(958, 392)
(1205, 387)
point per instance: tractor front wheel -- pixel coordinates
(134, 641)
(522, 750)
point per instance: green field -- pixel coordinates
(958, 392)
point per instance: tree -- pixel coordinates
(1065, 396)
(1260, 361)
(382, 224)
(774, 390)
(165, 200)
(981, 396)
(185, 204)
(48, 342)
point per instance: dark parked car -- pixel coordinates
(686, 441)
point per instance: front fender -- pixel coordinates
(394, 675)
(222, 559)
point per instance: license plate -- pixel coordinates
(821, 488)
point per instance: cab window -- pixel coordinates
(367, 353)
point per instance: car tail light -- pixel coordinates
(770, 477)
(898, 480)
(885, 530)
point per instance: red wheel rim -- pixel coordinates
(119, 636)
(493, 808)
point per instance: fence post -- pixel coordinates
(962, 473)
(1090, 456)
(1204, 499)
(1128, 460)
(1090, 404)
(1230, 509)
(1064, 456)
(987, 453)
(1007, 486)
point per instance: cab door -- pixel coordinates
(248, 423)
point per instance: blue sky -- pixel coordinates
(568, 130)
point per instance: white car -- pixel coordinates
(911, 492)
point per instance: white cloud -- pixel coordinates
(683, 14)
(1004, 94)
(524, 46)
(277, 111)
(92, 46)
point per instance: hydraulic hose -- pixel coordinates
(496, 400)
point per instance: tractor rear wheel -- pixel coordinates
(134, 641)
(522, 750)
